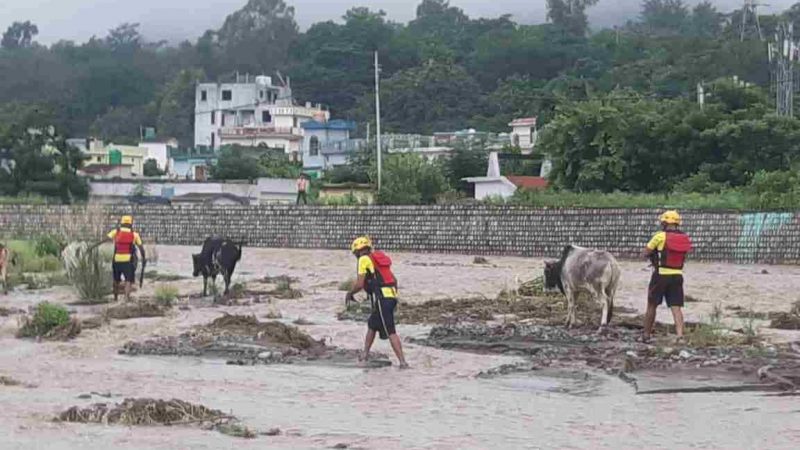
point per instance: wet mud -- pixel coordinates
(244, 340)
(619, 351)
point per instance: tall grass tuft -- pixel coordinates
(89, 271)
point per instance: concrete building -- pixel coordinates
(524, 134)
(327, 144)
(190, 164)
(97, 153)
(252, 111)
(495, 185)
(158, 149)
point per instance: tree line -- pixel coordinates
(618, 104)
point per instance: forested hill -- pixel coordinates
(442, 71)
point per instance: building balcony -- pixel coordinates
(261, 132)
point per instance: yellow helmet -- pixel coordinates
(360, 243)
(671, 217)
(126, 220)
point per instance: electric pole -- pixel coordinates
(782, 56)
(378, 115)
(750, 8)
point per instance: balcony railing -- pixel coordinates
(251, 132)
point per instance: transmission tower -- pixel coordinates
(750, 13)
(782, 57)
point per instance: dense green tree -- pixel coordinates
(151, 169)
(408, 179)
(19, 35)
(235, 163)
(176, 111)
(425, 99)
(665, 17)
(570, 15)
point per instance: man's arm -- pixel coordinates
(101, 242)
(358, 286)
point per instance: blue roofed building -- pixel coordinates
(327, 144)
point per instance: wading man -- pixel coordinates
(667, 251)
(376, 278)
(126, 241)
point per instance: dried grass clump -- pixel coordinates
(272, 332)
(135, 310)
(151, 412)
(89, 271)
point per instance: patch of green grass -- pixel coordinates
(166, 294)
(46, 317)
(25, 258)
(236, 430)
(238, 290)
(733, 200)
(49, 244)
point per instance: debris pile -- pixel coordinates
(132, 310)
(244, 340)
(150, 412)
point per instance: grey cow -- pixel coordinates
(581, 269)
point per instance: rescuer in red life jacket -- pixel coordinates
(126, 241)
(667, 250)
(376, 278)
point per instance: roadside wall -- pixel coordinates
(481, 230)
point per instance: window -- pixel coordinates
(516, 140)
(294, 122)
(313, 146)
(266, 117)
(261, 95)
(203, 95)
(227, 95)
(213, 117)
(99, 158)
(222, 118)
(212, 140)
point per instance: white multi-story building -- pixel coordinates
(251, 112)
(524, 134)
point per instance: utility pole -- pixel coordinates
(750, 8)
(782, 56)
(378, 115)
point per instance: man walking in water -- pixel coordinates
(126, 241)
(667, 250)
(376, 278)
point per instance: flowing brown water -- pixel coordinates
(440, 403)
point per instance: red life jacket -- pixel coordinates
(676, 247)
(124, 241)
(383, 269)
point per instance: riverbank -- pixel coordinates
(450, 398)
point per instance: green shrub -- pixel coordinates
(166, 294)
(88, 271)
(46, 317)
(28, 260)
(49, 245)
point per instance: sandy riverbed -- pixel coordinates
(437, 404)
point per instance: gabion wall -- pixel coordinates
(481, 230)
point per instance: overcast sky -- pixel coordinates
(181, 19)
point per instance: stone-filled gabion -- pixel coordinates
(466, 229)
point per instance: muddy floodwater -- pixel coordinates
(441, 403)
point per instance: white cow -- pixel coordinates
(582, 269)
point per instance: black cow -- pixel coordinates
(218, 257)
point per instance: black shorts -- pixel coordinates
(124, 269)
(666, 287)
(382, 317)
